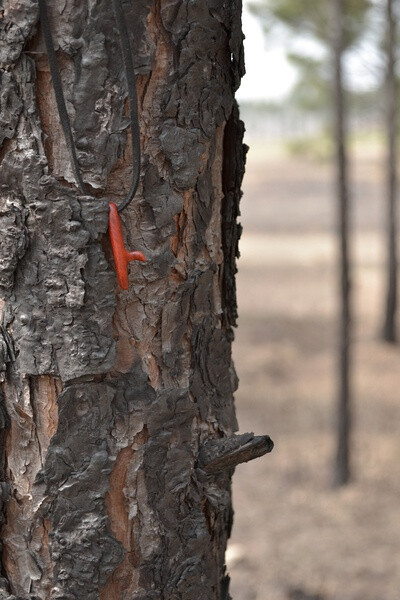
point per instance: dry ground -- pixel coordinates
(294, 537)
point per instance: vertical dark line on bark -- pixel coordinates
(232, 175)
(4, 424)
(342, 469)
(389, 326)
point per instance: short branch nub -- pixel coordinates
(227, 453)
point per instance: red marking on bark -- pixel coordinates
(122, 257)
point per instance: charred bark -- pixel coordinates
(109, 397)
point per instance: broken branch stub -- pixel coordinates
(227, 453)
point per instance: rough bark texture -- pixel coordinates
(109, 397)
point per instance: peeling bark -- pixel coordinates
(109, 396)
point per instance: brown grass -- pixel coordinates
(295, 537)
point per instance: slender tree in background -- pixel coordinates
(342, 465)
(336, 25)
(389, 325)
(117, 414)
(312, 91)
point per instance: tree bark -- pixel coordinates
(342, 464)
(115, 480)
(389, 326)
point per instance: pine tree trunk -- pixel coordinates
(117, 407)
(342, 465)
(389, 326)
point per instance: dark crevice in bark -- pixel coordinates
(232, 175)
(4, 487)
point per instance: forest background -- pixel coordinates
(297, 535)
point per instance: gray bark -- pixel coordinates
(342, 463)
(109, 397)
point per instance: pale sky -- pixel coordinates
(269, 76)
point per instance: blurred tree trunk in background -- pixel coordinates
(339, 25)
(389, 326)
(117, 407)
(342, 467)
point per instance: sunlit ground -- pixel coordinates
(295, 537)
